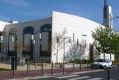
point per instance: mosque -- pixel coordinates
(51, 38)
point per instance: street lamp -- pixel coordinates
(33, 45)
(57, 41)
(13, 50)
(33, 41)
(1, 43)
(64, 42)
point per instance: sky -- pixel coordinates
(22, 10)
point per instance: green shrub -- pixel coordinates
(116, 62)
(77, 61)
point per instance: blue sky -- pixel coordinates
(21, 10)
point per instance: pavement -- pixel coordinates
(99, 74)
(36, 72)
(59, 76)
(38, 66)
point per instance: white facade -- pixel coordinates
(71, 24)
(70, 28)
(2, 25)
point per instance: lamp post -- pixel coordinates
(33, 45)
(1, 43)
(33, 41)
(57, 41)
(64, 42)
(12, 50)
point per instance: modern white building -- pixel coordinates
(55, 38)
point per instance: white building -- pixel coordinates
(39, 38)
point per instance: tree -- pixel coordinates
(77, 50)
(57, 43)
(106, 40)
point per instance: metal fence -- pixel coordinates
(16, 67)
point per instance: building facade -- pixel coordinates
(27, 39)
(53, 38)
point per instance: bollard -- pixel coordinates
(108, 74)
(80, 66)
(42, 67)
(87, 66)
(73, 67)
(13, 65)
(27, 67)
(98, 65)
(13, 68)
(51, 68)
(63, 67)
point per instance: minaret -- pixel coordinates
(105, 2)
(107, 14)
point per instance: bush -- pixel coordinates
(116, 62)
(80, 61)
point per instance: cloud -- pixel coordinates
(19, 3)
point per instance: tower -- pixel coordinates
(107, 14)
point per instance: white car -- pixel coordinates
(102, 63)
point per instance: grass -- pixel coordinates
(4, 69)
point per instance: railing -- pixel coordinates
(27, 68)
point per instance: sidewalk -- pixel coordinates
(34, 71)
(37, 66)
(49, 76)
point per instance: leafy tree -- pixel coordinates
(106, 40)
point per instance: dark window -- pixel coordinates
(46, 31)
(27, 42)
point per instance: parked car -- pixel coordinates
(102, 63)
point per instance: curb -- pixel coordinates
(87, 71)
(30, 78)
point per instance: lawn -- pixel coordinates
(3, 69)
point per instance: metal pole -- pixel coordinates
(42, 67)
(98, 65)
(64, 57)
(87, 65)
(63, 67)
(80, 65)
(73, 66)
(51, 68)
(13, 67)
(110, 56)
(73, 36)
(57, 40)
(57, 54)
(27, 67)
(108, 74)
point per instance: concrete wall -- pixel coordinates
(70, 24)
(18, 29)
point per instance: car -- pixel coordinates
(102, 63)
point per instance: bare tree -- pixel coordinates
(77, 50)
(57, 42)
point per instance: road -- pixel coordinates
(99, 75)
